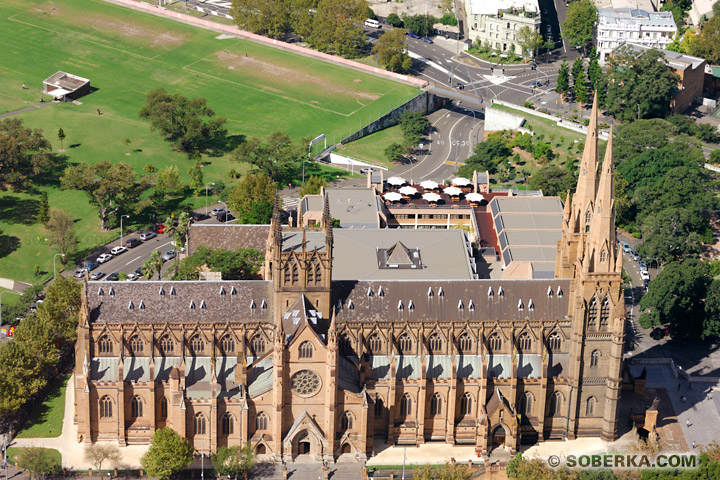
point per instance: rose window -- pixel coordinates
(305, 383)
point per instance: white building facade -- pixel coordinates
(625, 25)
(497, 22)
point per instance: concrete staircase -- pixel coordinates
(306, 471)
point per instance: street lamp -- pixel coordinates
(206, 201)
(121, 227)
(1, 294)
(54, 258)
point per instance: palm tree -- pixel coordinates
(152, 265)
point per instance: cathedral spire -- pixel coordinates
(327, 223)
(275, 223)
(583, 204)
(602, 237)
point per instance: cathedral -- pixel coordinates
(299, 364)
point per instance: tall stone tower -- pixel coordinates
(589, 254)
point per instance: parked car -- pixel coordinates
(97, 275)
(225, 217)
(217, 211)
(92, 266)
(113, 277)
(104, 258)
(159, 228)
(635, 255)
(412, 34)
(548, 29)
(659, 333)
(145, 236)
(367, 170)
(372, 23)
(626, 248)
(132, 242)
(644, 275)
(426, 40)
(175, 246)
(536, 84)
(169, 255)
(198, 217)
(118, 250)
(80, 272)
(11, 331)
(643, 266)
(135, 275)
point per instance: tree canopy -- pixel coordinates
(251, 188)
(24, 153)
(168, 455)
(241, 264)
(530, 40)
(391, 49)
(579, 24)
(38, 461)
(233, 461)
(277, 156)
(312, 186)
(420, 24)
(189, 123)
(486, 156)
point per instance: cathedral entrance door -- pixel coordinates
(303, 447)
(498, 437)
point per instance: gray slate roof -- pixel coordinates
(227, 237)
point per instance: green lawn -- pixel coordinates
(125, 54)
(12, 452)
(372, 147)
(47, 420)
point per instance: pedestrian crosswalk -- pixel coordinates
(290, 203)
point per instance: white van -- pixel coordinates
(372, 23)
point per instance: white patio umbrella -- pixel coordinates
(429, 184)
(408, 190)
(393, 196)
(396, 181)
(474, 197)
(453, 191)
(460, 181)
(431, 197)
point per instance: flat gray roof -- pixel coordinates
(529, 205)
(444, 254)
(354, 207)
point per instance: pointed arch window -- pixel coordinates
(286, 274)
(310, 275)
(435, 343)
(590, 407)
(227, 343)
(555, 404)
(588, 216)
(375, 344)
(525, 407)
(494, 343)
(345, 344)
(136, 407)
(197, 344)
(603, 255)
(594, 357)
(105, 344)
(605, 313)
(306, 349)
(524, 343)
(295, 274)
(257, 345)
(261, 421)
(166, 344)
(318, 273)
(592, 313)
(379, 406)
(436, 404)
(163, 408)
(466, 404)
(136, 344)
(406, 405)
(346, 422)
(106, 407)
(405, 343)
(200, 424)
(465, 343)
(228, 424)
(554, 342)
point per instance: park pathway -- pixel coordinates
(27, 109)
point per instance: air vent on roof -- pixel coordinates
(252, 304)
(559, 291)
(112, 291)
(381, 292)
(430, 292)
(339, 304)
(460, 305)
(130, 305)
(142, 305)
(531, 305)
(520, 304)
(232, 290)
(222, 290)
(162, 291)
(202, 304)
(370, 292)
(471, 305)
(172, 290)
(501, 292)
(411, 305)
(400, 305)
(549, 292)
(441, 292)
(351, 305)
(263, 304)
(100, 291)
(490, 292)
(192, 305)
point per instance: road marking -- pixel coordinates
(131, 261)
(454, 164)
(449, 151)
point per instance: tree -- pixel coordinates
(563, 80)
(181, 230)
(579, 24)
(38, 461)
(679, 9)
(98, 453)
(153, 265)
(581, 92)
(711, 325)
(391, 49)
(169, 453)
(394, 152)
(594, 73)
(414, 126)
(24, 153)
(577, 71)
(543, 151)
(241, 264)
(670, 233)
(449, 471)
(197, 180)
(676, 297)
(336, 27)
(44, 209)
(530, 40)
(394, 20)
(276, 157)
(182, 120)
(271, 19)
(233, 461)
(420, 24)
(61, 137)
(110, 187)
(251, 188)
(61, 232)
(552, 180)
(639, 85)
(312, 186)
(168, 181)
(486, 156)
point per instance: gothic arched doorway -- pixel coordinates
(346, 448)
(303, 444)
(498, 437)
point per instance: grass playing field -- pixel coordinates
(125, 54)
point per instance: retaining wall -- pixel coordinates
(575, 127)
